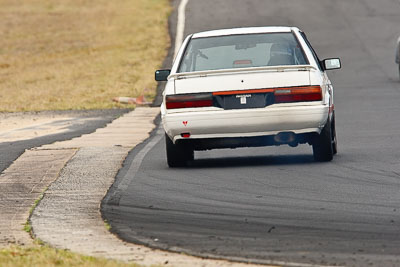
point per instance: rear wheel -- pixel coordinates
(177, 154)
(324, 145)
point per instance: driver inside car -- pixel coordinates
(281, 54)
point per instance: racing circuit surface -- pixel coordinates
(275, 204)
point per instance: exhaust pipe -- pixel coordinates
(285, 138)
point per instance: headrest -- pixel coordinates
(281, 49)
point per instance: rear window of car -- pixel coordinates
(242, 51)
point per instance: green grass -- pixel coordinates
(27, 226)
(107, 225)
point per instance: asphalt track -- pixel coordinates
(275, 204)
(10, 151)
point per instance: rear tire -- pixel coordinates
(177, 154)
(323, 147)
(334, 139)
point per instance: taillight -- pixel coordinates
(189, 100)
(281, 95)
(298, 94)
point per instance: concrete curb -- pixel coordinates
(21, 185)
(68, 216)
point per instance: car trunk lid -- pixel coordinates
(242, 79)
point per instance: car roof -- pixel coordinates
(244, 30)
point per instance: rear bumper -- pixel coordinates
(269, 121)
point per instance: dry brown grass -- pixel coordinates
(79, 54)
(45, 256)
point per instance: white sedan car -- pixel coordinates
(245, 87)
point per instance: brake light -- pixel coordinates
(298, 94)
(281, 95)
(189, 100)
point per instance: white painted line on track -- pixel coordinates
(180, 26)
(134, 167)
(137, 162)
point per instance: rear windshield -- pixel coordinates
(242, 51)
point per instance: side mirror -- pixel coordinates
(162, 75)
(331, 64)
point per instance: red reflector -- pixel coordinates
(185, 135)
(189, 101)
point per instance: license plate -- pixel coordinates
(244, 101)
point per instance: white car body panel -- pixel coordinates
(256, 78)
(214, 122)
(251, 122)
(245, 30)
